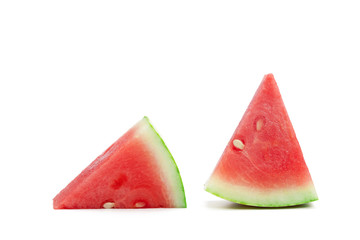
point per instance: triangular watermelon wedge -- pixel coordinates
(263, 164)
(137, 171)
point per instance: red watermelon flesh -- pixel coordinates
(263, 164)
(137, 171)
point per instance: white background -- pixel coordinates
(75, 75)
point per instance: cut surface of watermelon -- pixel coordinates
(263, 164)
(137, 171)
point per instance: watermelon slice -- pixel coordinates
(263, 164)
(137, 171)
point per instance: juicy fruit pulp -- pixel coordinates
(137, 171)
(263, 164)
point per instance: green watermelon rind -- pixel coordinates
(172, 159)
(309, 192)
(263, 205)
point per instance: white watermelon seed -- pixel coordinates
(139, 204)
(238, 144)
(109, 205)
(259, 125)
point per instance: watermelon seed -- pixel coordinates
(259, 125)
(109, 205)
(238, 144)
(139, 204)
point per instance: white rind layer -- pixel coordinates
(261, 197)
